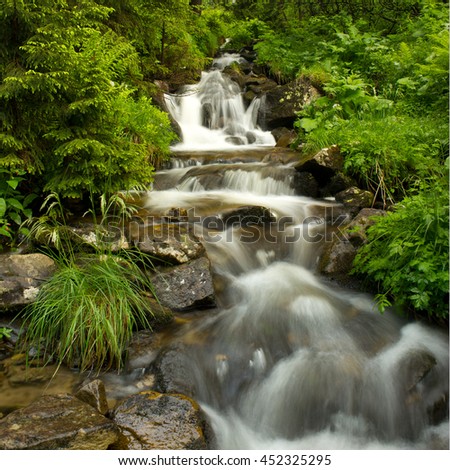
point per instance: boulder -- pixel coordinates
(57, 422)
(247, 216)
(151, 420)
(186, 286)
(21, 277)
(172, 369)
(94, 394)
(306, 185)
(169, 242)
(323, 165)
(336, 260)
(337, 183)
(286, 138)
(283, 102)
(355, 199)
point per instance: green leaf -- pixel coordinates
(5, 232)
(2, 207)
(308, 124)
(14, 203)
(14, 183)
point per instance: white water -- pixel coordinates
(212, 114)
(290, 361)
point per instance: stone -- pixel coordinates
(414, 367)
(174, 243)
(305, 184)
(21, 276)
(287, 138)
(336, 260)
(247, 216)
(172, 369)
(355, 198)
(356, 230)
(57, 422)
(323, 165)
(94, 394)
(186, 286)
(151, 420)
(283, 102)
(337, 183)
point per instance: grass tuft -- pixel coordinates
(84, 316)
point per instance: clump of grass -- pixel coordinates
(84, 316)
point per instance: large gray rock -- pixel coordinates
(57, 422)
(170, 242)
(186, 286)
(151, 420)
(21, 277)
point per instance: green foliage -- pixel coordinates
(14, 206)
(407, 253)
(84, 316)
(5, 333)
(72, 80)
(243, 33)
(388, 155)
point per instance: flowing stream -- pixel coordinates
(289, 361)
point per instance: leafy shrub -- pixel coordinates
(84, 316)
(14, 206)
(407, 254)
(388, 155)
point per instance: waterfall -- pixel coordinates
(212, 114)
(290, 361)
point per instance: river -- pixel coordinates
(290, 361)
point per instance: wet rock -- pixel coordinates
(248, 216)
(323, 165)
(94, 394)
(286, 138)
(356, 230)
(414, 367)
(26, 375)
(143, 349)
(355, 198)
(152, 420)
(173, 371)
(57, 422)
(337, 183)
(336, 260)
(305, 184)
(185, 286)
(171, 242)
(21, 277)
(283, 102)
(235, 140)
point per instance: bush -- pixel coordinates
(14, 206)
(407, 254)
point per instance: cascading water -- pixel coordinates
(212, 114)
(291, 361)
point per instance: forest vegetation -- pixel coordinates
(78, 121)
